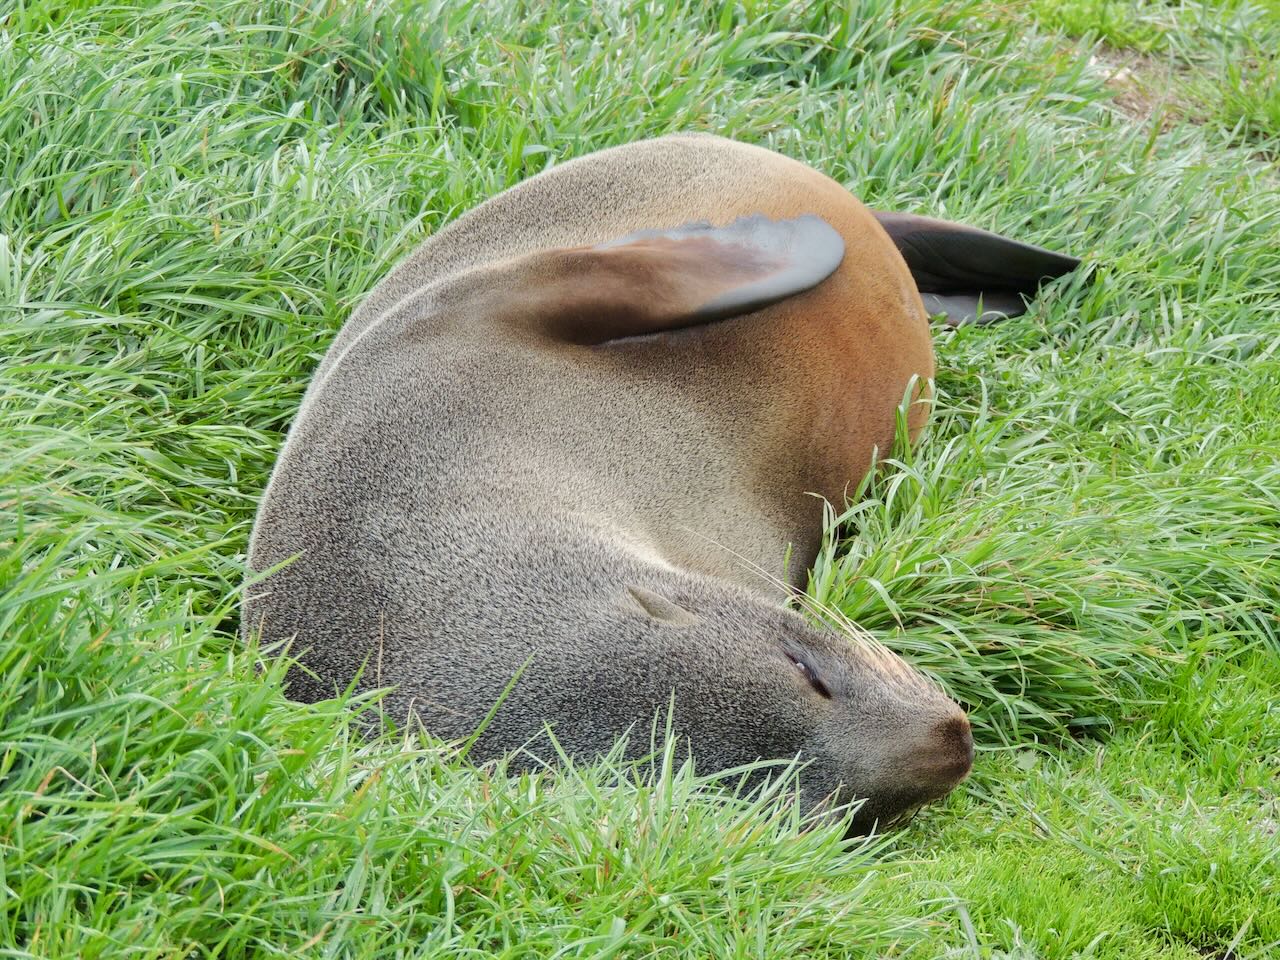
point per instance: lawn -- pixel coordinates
(1084, 548)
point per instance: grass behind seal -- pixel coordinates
(1084, 548)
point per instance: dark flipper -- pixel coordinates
(654, 281)
(956, 267)
(747, 264)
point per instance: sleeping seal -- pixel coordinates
(557, 440)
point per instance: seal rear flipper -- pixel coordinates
(658, 280)
(960, 269)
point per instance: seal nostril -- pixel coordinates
(953, 742)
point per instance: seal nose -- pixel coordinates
(950, 753)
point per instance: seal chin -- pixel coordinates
(866, 816)
(885, 815)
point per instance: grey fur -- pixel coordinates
(457, 502)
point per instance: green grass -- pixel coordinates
(1213, 62)
(1085, 548)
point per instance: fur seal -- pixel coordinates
(554, 441)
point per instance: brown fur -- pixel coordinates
(560, 439)
(799, 394)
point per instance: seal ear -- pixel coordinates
(956, 267)
(658, 280)
(660, 608)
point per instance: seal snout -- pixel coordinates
(946, 755)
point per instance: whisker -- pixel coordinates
(829, 616)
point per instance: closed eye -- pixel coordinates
(811, 675)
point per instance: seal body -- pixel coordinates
(550, 454)
(718, 441)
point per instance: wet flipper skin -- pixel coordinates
(657, 280)
(962, 270)
(761, 261)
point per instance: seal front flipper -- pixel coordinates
(658, 280)
(960, 269)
